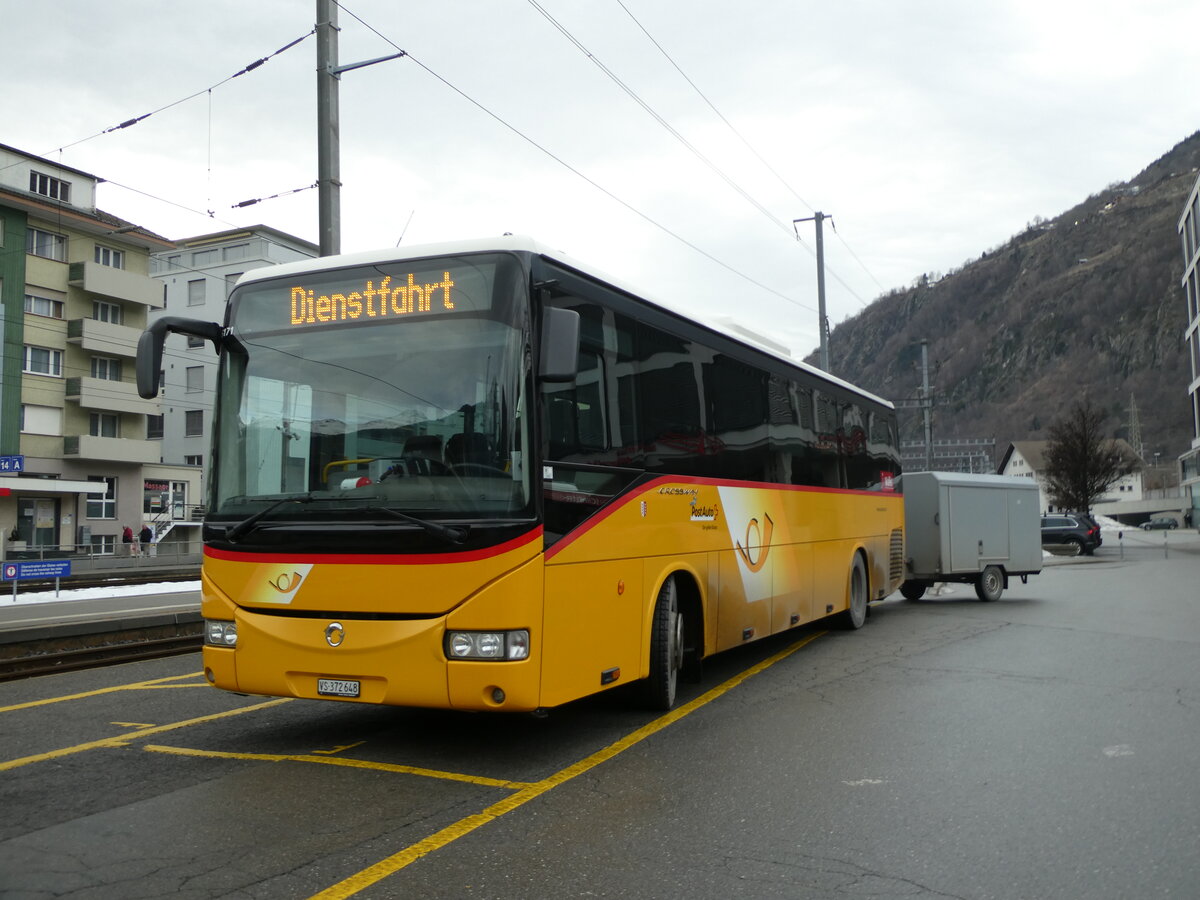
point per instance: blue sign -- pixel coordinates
(37, 568)
(12, 463)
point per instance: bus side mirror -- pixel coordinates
(150, 348)
(560, 345)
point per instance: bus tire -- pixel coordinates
(855, 615)
(666, 649)
(990, 584)
(912, 590)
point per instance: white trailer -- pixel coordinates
(977, 529)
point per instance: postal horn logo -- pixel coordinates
(287, 583)
(753, 531)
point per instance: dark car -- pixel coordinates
(1159, 522)
(1091, 523)
(1075, 533)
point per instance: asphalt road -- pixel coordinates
(1044, 746)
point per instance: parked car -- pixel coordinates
(1092, 524)
(1071, 532)
(1159, 522)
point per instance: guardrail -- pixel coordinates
(85, 558)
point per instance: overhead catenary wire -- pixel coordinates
(612, 196)
(783, 181)
(128, 123)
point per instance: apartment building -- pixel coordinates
(198, 274)
(1189, 237)
(77, 463)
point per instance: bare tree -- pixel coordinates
(1081, 464)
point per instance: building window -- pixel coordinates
(103, 506)
(41, 419)
(234, 252)
(193, 342)
(49, 186)
(196, 292)
(106, 312)
(230, 281)
(206, 257)
(195, 379)
(106, 368)
(103, 544)
(46, 244)
(193, 423)
(44, 306)
(154, 428)
(106, 256)
(104, 425)
(193, 460)
(42, 361)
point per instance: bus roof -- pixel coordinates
(517, 243)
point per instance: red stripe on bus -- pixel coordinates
(392, 559)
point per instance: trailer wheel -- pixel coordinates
(990, 585)
(913, 590)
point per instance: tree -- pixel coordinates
(1080, 464)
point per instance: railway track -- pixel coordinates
(100, 643)
(52, 655)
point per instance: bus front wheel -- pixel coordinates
(666, 649)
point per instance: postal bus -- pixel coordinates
(480, 476)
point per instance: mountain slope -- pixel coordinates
(1089, 303)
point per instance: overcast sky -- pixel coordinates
(930, 130)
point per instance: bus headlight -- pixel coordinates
(218, 633)
(492, 645)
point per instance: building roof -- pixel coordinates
(1034, 453)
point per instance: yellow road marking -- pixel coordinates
(339, 748)
(133, 724)
(382, 869)
(126, 739)
(136, 686)
(342, 761)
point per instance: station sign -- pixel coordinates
(36, 568)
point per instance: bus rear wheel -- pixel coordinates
(856, 611)
(666, 649)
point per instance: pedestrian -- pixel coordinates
(1187, 519)
(146, 536)
(127, 539)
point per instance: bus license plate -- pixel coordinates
(336, 687)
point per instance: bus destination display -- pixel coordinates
(371, 301)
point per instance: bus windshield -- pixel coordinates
(371, 391)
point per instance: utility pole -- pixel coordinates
(329, 205)
(329, 175)
(927, 406)
(822, 320)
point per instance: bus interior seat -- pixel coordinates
(473, 449)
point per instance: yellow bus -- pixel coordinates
(480, 476)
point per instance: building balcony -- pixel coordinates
(117, 284)
(104, 338)
(114, 396)
(115, 450)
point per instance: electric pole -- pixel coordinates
(329, 206)
(822, 320)
(329, 175)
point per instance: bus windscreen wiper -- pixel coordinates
(443, 532)
(236, 532)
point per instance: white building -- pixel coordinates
(1027, 459)
(1189, 236)
(199, 274)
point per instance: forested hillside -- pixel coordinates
(1087, 303)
